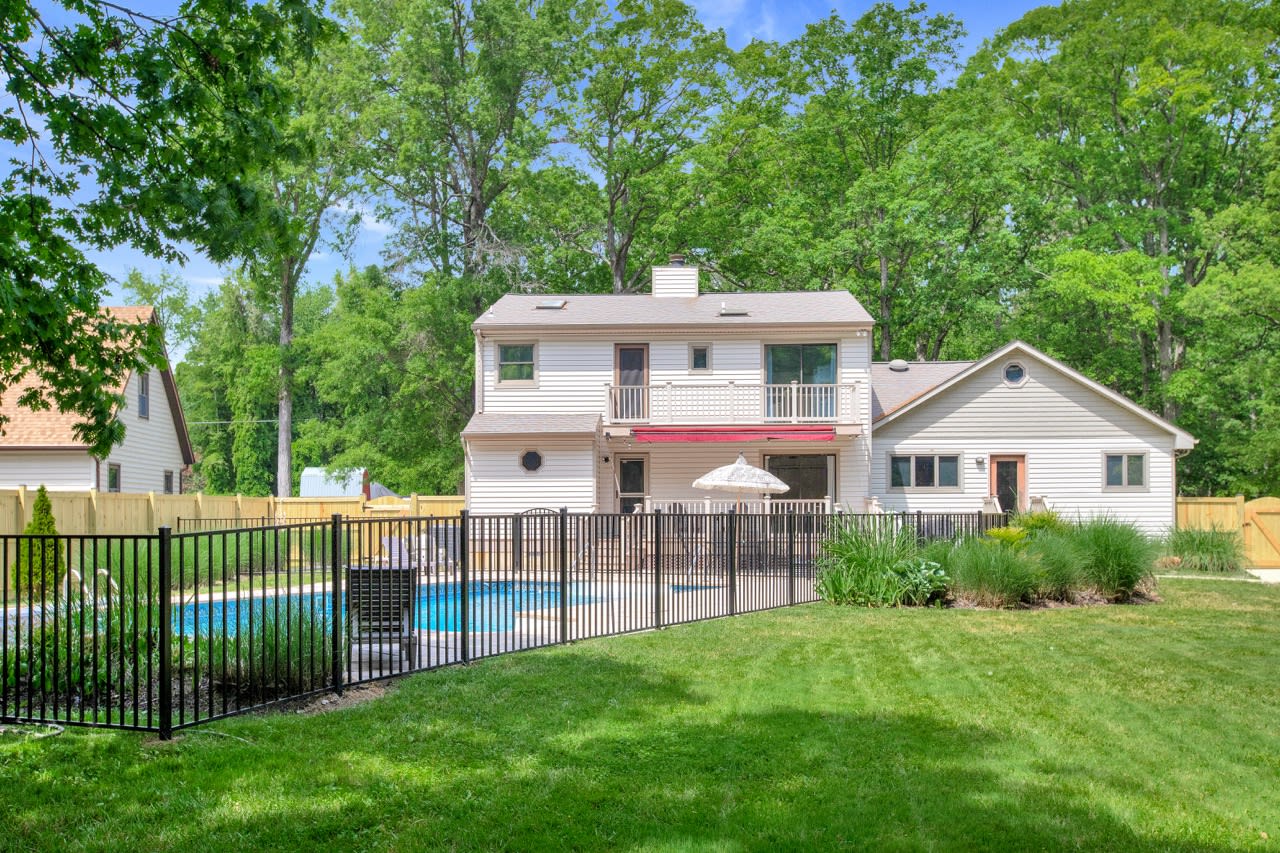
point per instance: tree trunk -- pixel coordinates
(284, 434)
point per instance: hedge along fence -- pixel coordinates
(93, 512)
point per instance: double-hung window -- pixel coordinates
(1125, 471)
(515, 362)
(924, 472)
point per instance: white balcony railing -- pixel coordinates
(754, 506)
(731, 403)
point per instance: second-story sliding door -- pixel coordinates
(812, 369)
(631, 380)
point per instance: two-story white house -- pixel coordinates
(609, 403)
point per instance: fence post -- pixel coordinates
(335, 588)
(165, 687)
(517, 544)
(733, 561)
(564, 574)
(791, 557)
(464, 558)
(657, 568)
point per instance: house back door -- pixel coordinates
(1009, 481)
(632, 368)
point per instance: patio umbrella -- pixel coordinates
(741, 477)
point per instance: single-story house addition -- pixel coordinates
(612, 403)
(41, 448)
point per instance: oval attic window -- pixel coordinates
(531, 460)
(1014, 373)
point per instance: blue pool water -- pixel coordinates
(493, 607)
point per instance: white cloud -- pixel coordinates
(368, 221)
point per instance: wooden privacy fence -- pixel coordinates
(1258, 522)
(93, 512)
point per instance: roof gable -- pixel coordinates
(1183, 439)
(54, 430)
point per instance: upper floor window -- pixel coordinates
(1125, 471)
(144, 395)
(515, 362)
(699, 358)
(924, 472)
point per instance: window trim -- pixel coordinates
(497, 364)
(1014, 363)
(1126, 455)
(114, 468)
(700, 370)
(542, 461)
(929, 490)
(144, 395)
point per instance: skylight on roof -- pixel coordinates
(726, 311)
(551, 304)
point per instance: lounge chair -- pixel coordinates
(381, 606)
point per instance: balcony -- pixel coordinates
(731, 403)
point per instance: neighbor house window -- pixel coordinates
(531, 460)
(1014, 374)
(168, 482)
(515, 362)
(1125, 470)
(113, 478)
(699, 358)
(924, 472)
(144, 395)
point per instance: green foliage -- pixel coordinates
(37, 567)
(1206, 550)
(1061, 564)
(1114, 557)
(289, 654)
(1038, 523)
(876, 565)
(125, 129)
(992, 575)
(1011, 537)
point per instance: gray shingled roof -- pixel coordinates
(891, 390)
(514, 424)
(800, 308)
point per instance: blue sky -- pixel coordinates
(742, 21)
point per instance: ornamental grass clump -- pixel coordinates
(1060, 564)
(269, 654)
(991, 574)
(1213, 550)
(876, 566)
(1114, 557)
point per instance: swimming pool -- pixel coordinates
(493, 606)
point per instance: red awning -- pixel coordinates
(793, 432)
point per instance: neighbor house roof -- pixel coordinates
(710, 310)
(512, 424)
(913, 395)
(893, 389)
(54, 430)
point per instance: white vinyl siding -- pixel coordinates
(150, 445)
(1063, 429)
(56, 470)
(497, 484)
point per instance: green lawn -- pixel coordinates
(1152, 727)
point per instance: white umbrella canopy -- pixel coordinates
(741, 477)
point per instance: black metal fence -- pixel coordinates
(167, 631)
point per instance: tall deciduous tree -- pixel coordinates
(168, 115)
(1147, 116)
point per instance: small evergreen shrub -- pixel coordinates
(1114, 557)
(36, 570)
(991, 574)
(1212, 550)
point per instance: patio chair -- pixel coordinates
(437, 549)
(380, 606)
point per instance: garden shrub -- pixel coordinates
(289, 654)
(1114, 557)
(1012, 536)
(36, 572)
(1060, 564)
(1038, 523)
(1213, 550)
(937, 551)
(992, 574)
(861, 565)
(921, 582)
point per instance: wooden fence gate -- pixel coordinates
(1258, 522)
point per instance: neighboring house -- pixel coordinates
(613, 403)
(40, 448)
